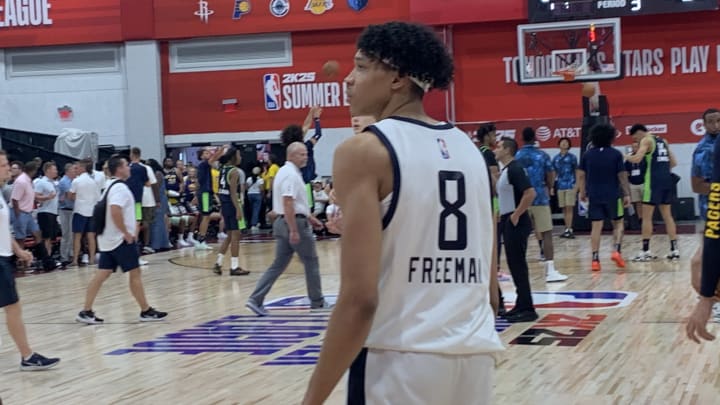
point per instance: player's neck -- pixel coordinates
(408, 109)
(506, 160)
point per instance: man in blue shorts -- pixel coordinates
(117, 245)
(602, 179)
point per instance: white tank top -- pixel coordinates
(5, 231)
(437, 244)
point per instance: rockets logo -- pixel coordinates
(271, 82)
(204, 11)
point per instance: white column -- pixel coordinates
(143, 99)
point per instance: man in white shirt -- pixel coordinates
(85, 192)
(46, 194)
(293, 231)
(9, 300)
(117, 246)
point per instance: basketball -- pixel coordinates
(331, 68)
(588, 90)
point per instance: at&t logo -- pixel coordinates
(543, 134)
(204, 11)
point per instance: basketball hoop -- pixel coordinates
(567, 74)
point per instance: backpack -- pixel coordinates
(101, 208)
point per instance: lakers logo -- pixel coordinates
(318, 7)
(242, 7)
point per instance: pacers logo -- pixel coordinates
(204, 11)
(271, 82)
(242, 7)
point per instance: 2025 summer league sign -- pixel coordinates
(292, 336)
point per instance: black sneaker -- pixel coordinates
(89, 318)
(151, 315)
(239, 272)
(217, 269)
(38, 362)
(522, 316)
(571, 234)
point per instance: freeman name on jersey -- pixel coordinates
(443, 270)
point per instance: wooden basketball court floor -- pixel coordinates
(629, 349)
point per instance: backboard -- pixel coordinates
(569, 51)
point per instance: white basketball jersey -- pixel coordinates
(437, 244)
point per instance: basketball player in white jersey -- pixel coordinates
(415, 316)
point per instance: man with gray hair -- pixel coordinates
(293, 232)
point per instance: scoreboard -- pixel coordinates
(557, 10)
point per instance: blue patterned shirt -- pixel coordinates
(702, 166)
(537, 164)
(565, 167)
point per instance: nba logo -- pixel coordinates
(271, 82)
(443, 149)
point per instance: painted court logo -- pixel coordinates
(578, 300)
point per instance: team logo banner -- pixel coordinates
(319, 7)
(279, 8)
(357, 5)
(242, 7)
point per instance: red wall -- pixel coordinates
(192, 101)
(73, 22)
(484, 94)
(176, 19)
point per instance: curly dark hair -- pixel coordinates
(411, 49)
(602, 135)
(291, 133)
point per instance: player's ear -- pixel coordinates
(399, 82)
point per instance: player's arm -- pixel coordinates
(217, 154)
(643, 150)
(673, 160)
(581, 179)
(233, 180)
(360, 165)
(697, 323)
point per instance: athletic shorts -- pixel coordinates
(24, 225)
(148, 215)
(8, 291)
(383, 377)
(602, 210)
(125, 255)
(541, 217)
(205, 203)
(567, 198)
(82, 224)
(138, 212)
(227, 209)
(658, 196)
(48, 224)
(636, 192)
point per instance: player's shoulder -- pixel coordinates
(364, 148)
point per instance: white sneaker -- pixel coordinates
(555, 277)
(202, 246)
(85, 258)
(644, 256)
(222, 235)
(183, 243)
(148, 250)
(143, 262)
(673, 255)
(191, 240)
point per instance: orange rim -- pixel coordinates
(568, 75)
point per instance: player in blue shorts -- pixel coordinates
(659, 188)
(602, 179)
